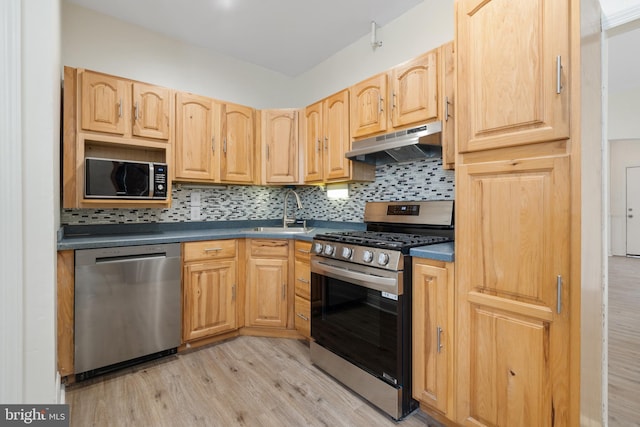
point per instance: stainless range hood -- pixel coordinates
(420, 142)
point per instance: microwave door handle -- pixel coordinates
(384, 284)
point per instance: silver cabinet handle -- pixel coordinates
(302, 316)
(284, 290)
(439, 334)
(393, 105)
(135, 110)
(318, 144)
(380, 100)
(446, 108)
(326, 143)
(213, 144)
(120, 108)
(212, 249)
(559, 289)
(233, 293)
(267, 152)
(224, 145)
(558, 74)
(303, 251)
(303, 280)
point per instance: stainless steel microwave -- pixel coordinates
(123, 179)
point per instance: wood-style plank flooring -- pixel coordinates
(246, 381)
(624, 342)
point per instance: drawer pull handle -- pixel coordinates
(303, 280)
(304, 251)
(212, 249)
(303, 317)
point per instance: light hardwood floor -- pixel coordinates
(624, 341)
(246, 381)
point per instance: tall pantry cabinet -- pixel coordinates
(517, 285)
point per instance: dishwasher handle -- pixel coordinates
(96, 256)
(130, 258)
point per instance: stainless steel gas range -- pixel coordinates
(361, 299)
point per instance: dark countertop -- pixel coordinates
(114, 235)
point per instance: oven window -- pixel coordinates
(357, 323)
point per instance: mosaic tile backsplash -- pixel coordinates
(419, 180)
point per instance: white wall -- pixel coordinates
(99, 42)
(31, 209)
(624, 114)
(426, 26)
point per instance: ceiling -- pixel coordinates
(286, 36)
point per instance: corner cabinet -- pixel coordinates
(517, 250)
(327, 139)
(279, 147)
(433, 335)
(209, 288)
(267, 285)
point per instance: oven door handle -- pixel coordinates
(379, 283)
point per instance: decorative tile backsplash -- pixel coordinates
(418, 180)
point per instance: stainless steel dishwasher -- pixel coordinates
(127, 306)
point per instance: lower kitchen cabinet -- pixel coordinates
(433, 321)
(302, 307)
(210, 287)
(267, 293)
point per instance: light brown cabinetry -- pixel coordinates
(210, 288)
(214, 141)
(511, 90)
(516, 285)
(303, 288)
(405, 95)
(197, 126)
(279, 151)
(433, 334)
(446, 106)
(65, 312)
(327, 139)
(238, 144)
(267, 285)
(111, 117)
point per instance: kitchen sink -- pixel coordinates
(287, 230)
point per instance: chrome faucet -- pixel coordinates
(286, 221)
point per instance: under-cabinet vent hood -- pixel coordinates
(420, 142)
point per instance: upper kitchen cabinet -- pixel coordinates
(327, 139)
(110, 117)
(123, 107)
(414, 90)
(448, 96)
(512, 73)
(238, 144)
(369, 106)
(197, 148)
(279, 147)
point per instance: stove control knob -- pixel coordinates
(347, 252)
(383, 259)
(328, 250)
(317, 248)
(367, 256)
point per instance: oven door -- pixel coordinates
(356, 314)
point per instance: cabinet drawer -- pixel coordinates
(270, 248)
(211, 249)
(303, 316)
(303, 250)
(303, 279)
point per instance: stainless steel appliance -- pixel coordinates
(361, 299)
(127, 306)
(122, 179)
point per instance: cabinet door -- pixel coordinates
(151, 111)
(280, 135)
(432, 334)
(209, 299)
(238, 142)
(368, 106)
(195, 148)
(508, 78)
(414, 95)
(448, 97)
(267, 292)
(336, 136)
(512, 259)
(313, 144)
(104, 103)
